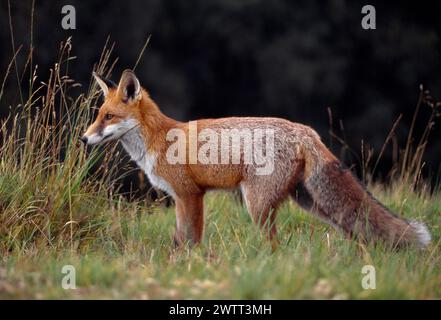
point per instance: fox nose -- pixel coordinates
(84, 139)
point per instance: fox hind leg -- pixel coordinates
(261, 209)
(263, 194)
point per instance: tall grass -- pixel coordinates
(49, 196)
(407, 168)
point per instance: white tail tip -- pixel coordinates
(422, 233)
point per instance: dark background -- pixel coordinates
(290, 59)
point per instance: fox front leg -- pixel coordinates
(189, 219)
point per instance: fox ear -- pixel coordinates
(105, 84)
(129, 86)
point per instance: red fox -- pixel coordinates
(299, 165)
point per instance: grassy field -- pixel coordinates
(131, 257)
(59, 206)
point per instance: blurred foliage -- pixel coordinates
(290, 59)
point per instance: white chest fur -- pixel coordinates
(134, 144)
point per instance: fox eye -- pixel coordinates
(108, 116)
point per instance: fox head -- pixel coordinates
(119, 112)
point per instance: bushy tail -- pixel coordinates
(335, 195)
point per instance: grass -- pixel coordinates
(133, 258)
(59, 205)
